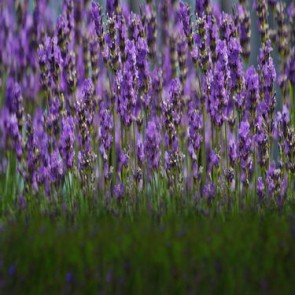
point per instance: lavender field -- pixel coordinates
(147, 150)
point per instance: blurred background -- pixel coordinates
(225, 5)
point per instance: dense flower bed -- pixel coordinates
(162, 102)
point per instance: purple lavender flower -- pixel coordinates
(118, 191)
(112, 7)
(244, 149)
(209, 190)
(88, 99)
(62, 35)
(127, 100)
(219, 97)
(235, 64)
(227, 27)
(175, 99)
(232, 148)
(201, 7)
(52, 120)
(55, 60)
(152, 145)
(142, 65)
(11, 137)
(86, 157)
(105, 131)
(262, 13)
(214, 159)
(267, 78)
(43, 64)
(71, 73)
(182, 57)
(274, 179)
(151, 28)
(261, 139)
(213, 36)
(194, 133)
(260, 188)
(252, 87)
(243, 16)
(140, 151)
(67, 140)
(97, 18)
(122, 160)
(122, 36)
(200, 53)
(56, 166)
(184, 14)
(290, 69)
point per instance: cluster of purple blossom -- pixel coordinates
(124, 101)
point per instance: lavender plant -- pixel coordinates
(113, 103)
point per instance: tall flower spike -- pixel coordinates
(262, 13)
(18, 106)
(202, 7)
(71, 72)
(142, 65)
(97, 18)
(243, 22)
(252, 87)
(261, 139)
(182, 58)
(86, 157)
(184, 15)
(194, 133)
(55, 61)
(67, 140)
(200, 54)
(88, 99)
(244, 150)
(152, 145)
(94, 58)
(63, 33)
(267, 77)
(105, 131)
(43, 64)
(218, 96)
(150, 28)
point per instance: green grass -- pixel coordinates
(244, 254)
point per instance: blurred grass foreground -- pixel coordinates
(243, 254)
